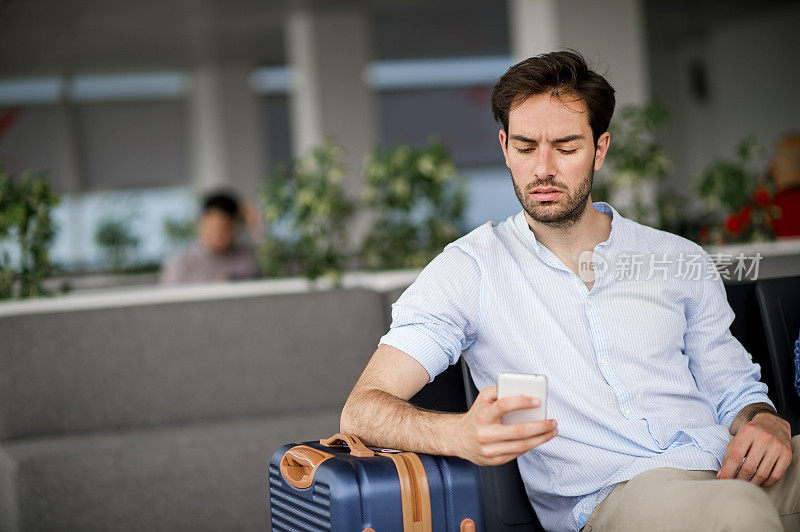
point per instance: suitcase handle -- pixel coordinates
(299, 464)
(357, 448)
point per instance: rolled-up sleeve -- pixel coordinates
(438, 316)
(720, 364)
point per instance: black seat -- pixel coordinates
(504, 497)
(748, 328)
(445, 393)
(779, 301)
(505, 502)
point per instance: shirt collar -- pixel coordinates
(616, 220)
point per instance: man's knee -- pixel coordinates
(740, 505)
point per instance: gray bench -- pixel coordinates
(162, 416)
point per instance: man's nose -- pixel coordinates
(544, 166)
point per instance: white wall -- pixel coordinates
(611, 35)
(753, 81)
(755, 73)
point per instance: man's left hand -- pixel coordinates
(764, 444)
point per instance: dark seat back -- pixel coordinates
(504, 497)
(748, 328)
(779, 301)
(505, 501)
(445, 393)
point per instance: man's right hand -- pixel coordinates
(378, 412)
(482, 438)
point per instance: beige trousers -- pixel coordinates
(676, 500)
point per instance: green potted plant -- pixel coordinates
(737, 197)
(419, 201)
(26, 204)
(637, 162)
(306, 211)
(179, 233)
(114, 236)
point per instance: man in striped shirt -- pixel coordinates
(658, 418)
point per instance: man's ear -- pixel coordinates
(504, 144)
(603, 142)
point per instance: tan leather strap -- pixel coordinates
(414, 492)
(467, 525)
(357, 448)
(300, 463)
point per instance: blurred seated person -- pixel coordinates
(785, 170)
(216, 256)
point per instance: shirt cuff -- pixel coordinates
(420, 347)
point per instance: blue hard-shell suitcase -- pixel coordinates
(340, 485)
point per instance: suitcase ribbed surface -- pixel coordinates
(291, 513)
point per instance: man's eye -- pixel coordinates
(569, 151)
(524, 150)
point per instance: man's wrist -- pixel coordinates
(749, 414)
(449, 433)
(759, 409)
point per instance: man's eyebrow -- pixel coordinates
(561, 140)
(567, 139)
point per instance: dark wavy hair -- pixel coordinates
(562, 73)
(223, 201)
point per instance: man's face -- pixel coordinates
(552, 157)
(216, 230)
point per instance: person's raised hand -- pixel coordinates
(765, 445)
(482, 438)
(251, 217)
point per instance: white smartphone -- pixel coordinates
(510, 384)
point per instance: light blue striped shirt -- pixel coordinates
(642, 369)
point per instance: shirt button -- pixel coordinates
(589, 303)
(603, 363)
(628, 411)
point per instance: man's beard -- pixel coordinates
(572, 207)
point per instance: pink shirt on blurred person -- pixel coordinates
(198, 264)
